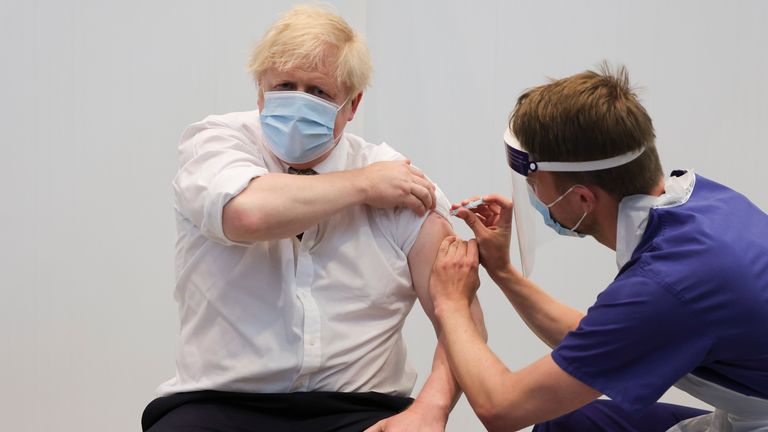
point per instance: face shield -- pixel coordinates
(524, 213)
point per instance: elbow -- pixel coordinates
(240, 224)
(492, 419)
(501, 415)
(500, 423)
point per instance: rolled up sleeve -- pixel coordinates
(216, 164)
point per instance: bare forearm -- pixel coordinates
(441, 391)
(506, 400)
(480, 374)
(549, 319)
(279, 205)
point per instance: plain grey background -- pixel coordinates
(94, 95)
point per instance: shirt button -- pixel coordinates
(312, 341)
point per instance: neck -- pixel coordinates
(659, 189)
(606, 220)
(607, 217)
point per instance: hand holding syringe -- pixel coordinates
(490, 219)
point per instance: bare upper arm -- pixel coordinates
(422, 255)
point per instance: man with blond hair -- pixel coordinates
(300, 251)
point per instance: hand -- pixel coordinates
(398, 184)
(414, 419)
(454, 275)
(492, 224)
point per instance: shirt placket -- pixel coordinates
(311, 325)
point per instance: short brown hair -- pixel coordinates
(590, 116)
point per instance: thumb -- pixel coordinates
(505, 216)
(472, 221)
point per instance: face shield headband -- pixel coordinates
(525, 215)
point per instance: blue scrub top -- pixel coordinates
(692, 299)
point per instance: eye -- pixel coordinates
(317, 91)
(284, 86)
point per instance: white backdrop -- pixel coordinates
(93, 97)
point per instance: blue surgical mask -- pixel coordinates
(298, 126)
(544, 210)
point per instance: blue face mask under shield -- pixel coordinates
(543, 209)
(298, 126)
(527, 204)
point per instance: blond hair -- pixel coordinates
(315, 39)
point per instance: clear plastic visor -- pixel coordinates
(525, 215)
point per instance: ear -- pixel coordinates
(354, 103)
(260, 100)
(587, 197)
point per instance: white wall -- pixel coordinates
(93, 96)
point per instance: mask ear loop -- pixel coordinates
(344, 103)
(579, 222)
(338, 138)
(586, 212)
(575, 227)
(560, 197)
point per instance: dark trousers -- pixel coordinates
(606, 415)
(215, 411)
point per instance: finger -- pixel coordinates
(492, 220)
(430, 188)
(416, 171)
(489, 218)
(472, 252)
(453, 247)
(482, 219)
(423, 181)
(415, 205)
(505, 207)
(484, 211)
(446, 244)
(423, 195)
(472, 221)
(497, 199)
(461, 249)
(469, 200)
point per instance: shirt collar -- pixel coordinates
(336, 161)
(634, 210)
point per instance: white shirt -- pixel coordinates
(321, 314)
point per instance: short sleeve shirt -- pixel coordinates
(323, 313)
(693, 298)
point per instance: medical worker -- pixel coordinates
(689, 304)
